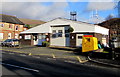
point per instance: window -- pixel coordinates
(16, 35)
(60, 33)
(1, 36)
(66, 31)
(10, 25)
(27, 36)
(2, 25)
(67, 35)
(53, 35)
(16, 28)
(9, 35)
(79, 37)
(54, 31)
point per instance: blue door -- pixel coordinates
(41, 38)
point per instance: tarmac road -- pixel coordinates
(22, 66)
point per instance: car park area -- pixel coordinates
(52, 52)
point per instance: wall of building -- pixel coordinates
(79, 40)
(26, 39)
(63, 40)
(10, 30)
(58, 41)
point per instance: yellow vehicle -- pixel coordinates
(89, 43)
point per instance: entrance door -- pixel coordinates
(41, 38)
(79, 40)
(67, 37)
(35, 39)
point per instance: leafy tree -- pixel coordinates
(28, 26)
(70, 29)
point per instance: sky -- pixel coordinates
(47, 10)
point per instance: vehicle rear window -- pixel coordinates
(8, 40)
(15, 40)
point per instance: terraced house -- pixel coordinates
(10, 27)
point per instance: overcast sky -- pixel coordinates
(44, 10)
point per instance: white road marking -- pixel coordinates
(70, 61)
(3, 52)
(19, 67)
(51, 59)
(37, 57)
(22, 55)
(11, 53)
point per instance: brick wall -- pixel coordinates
(7, 29)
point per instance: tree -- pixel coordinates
(28, 26)
(109, 17)
(70, 29)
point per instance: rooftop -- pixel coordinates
(10, 19)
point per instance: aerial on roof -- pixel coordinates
(10, 19)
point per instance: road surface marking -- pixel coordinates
(37, 57)
(53, 55)
(19, 67)
(79, 59)
(10, 53)
(70, 61)
(22, 55)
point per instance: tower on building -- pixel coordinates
(73, 16)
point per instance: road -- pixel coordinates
(22, 66)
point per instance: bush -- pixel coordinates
(70, 30)
(45, 43)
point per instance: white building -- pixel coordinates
(56, 32)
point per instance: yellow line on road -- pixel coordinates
(53, 55)
(42, 54)
(79, 59)
(14, 51)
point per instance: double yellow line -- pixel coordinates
(53, 55)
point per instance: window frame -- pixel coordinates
(16, 27)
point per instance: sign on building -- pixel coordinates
(27, 37)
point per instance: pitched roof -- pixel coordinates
(31, 22)
(10, 19)
(78, 27)
(111, 22)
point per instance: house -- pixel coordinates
(114, 30)
(56, 32)
(31, 22)
(10, 27)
